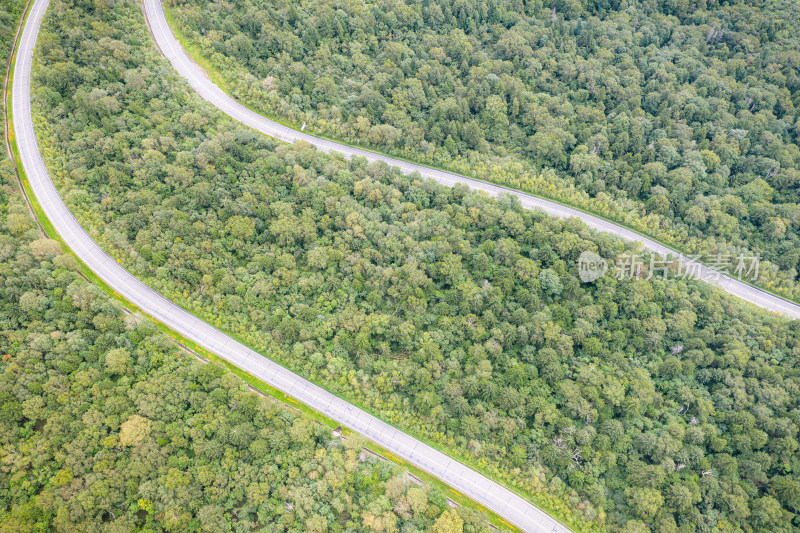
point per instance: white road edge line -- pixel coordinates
(493, 495)
(182, 62)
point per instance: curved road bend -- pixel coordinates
(171, 48)
(494, 496)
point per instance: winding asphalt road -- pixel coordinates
(172, 49)
(494, 496)
(504, 502)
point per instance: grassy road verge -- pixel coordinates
(665, 240)
(50, 231)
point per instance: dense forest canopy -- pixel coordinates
(678, 118)
(10, 13)
(105, 425)
(626, 404)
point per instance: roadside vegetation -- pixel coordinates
(680, 120)
(624, 404)
(10, 14)
(106, 424)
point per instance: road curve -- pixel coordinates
(172, 49)
(494, 496)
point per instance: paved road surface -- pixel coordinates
(504, 502)
(172, 49)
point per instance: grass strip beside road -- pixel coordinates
(51, 232)
(218, 78)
